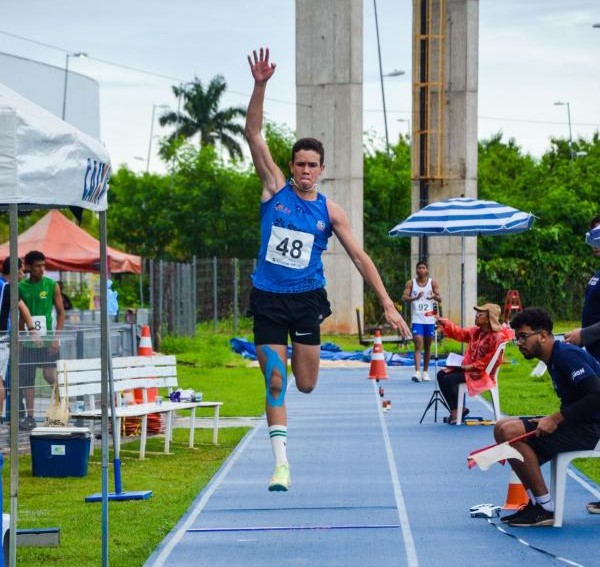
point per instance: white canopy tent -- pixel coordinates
(45, 162)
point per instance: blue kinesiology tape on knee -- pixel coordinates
(273, 361)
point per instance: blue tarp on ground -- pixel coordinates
(331, 351)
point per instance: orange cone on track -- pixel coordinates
(145, 347)
(516, 495)
(378, 370)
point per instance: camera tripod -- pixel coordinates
(436, 397)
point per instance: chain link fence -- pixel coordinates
(182, 295)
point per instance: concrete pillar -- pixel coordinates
(459, 145)
(329, 67)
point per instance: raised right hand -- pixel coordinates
(260, 67)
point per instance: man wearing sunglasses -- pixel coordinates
(575, 427)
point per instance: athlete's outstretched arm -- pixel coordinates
(270, 175)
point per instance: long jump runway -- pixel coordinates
(370, 489)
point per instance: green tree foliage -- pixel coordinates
(549, 264)
(200, 115)
(140, 214)
(215, 208)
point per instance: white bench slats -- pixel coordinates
(83, 379)
(93, 388)
(118, 362)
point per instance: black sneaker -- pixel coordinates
(515, 515)
(535, 516)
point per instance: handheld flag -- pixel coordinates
(497, 453)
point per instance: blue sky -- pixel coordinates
(532, 54)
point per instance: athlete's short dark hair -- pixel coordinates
(309, 144)
(537, 318)
(34, 256)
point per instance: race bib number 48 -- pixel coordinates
(289, 248)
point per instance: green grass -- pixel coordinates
(135, 527)
(207, 364)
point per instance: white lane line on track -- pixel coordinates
(165, 552)
(409, 544)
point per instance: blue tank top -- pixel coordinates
(294, 233)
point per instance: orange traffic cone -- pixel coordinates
(155, 421)
(378, 370)
(145, 348)
(516, 495)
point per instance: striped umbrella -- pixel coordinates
(593, 237)
(464, 216)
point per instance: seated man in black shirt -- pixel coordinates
(575, 427)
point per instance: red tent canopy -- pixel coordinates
(69, 248)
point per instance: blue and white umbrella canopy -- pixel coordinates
(464, 216)
(593, 237)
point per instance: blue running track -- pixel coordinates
(370, 489)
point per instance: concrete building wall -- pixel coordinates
(329, 67)
(461, 31)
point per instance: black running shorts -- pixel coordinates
(297, 315)
(30, 360)
(581, 436)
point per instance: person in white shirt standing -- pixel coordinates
(423, 293)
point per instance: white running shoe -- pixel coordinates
(416, 377)
(425, 377)
(281, 478)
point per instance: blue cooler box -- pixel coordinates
(60, 451)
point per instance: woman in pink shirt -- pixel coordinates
(482, 341)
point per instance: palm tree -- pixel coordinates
(200, 114)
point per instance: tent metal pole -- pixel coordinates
(105, 361)
(14, 381)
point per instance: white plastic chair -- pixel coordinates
(558, 473)
(462, 388)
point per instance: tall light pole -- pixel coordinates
(78, 54)
(385, 125)
(394, 73)
(154, 107)
(560, 103)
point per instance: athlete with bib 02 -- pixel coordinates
(423, 294)
(288, 296)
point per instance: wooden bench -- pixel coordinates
(80, 379)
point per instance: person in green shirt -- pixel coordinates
(40, 294)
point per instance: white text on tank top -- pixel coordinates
(423, 304)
